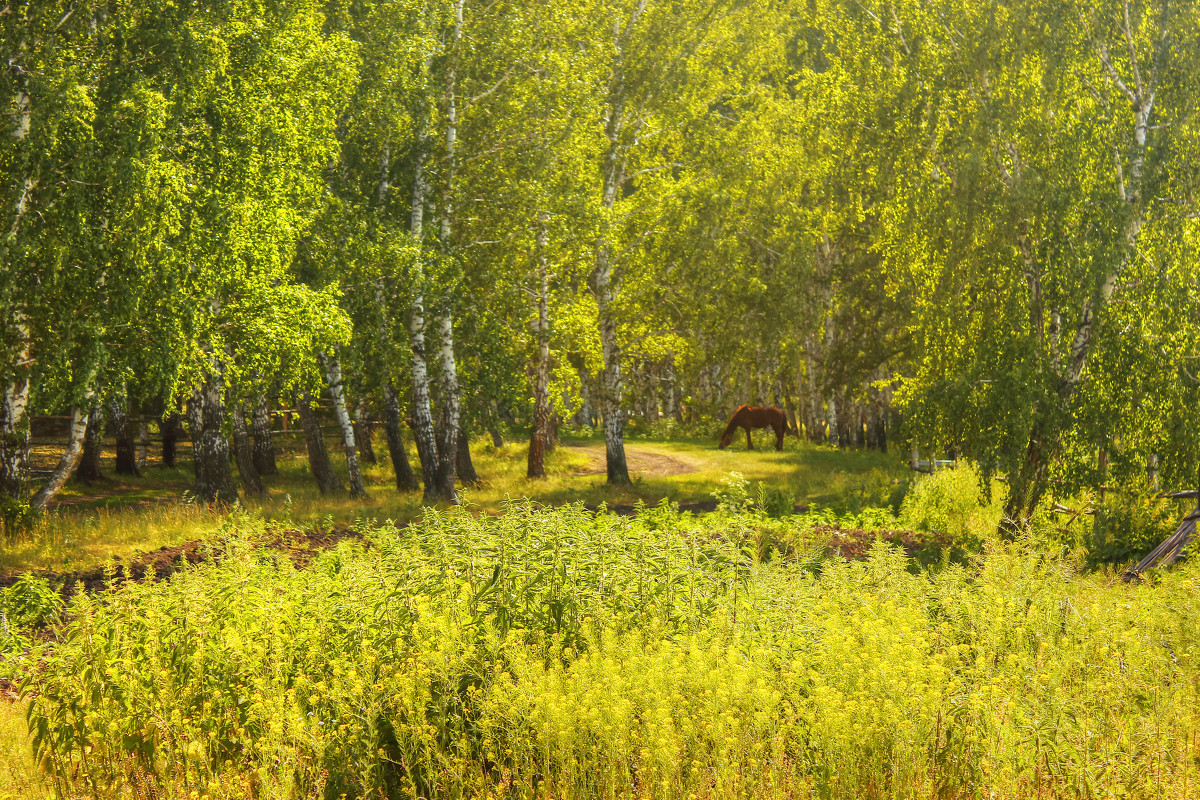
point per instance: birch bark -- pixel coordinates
(449, 397)
(126, 446)
(421, 412)
(826, 255)
(66, 464)
(88, 469)
(214, 476)
(14, 420)
(606, 277)
(14, 407)
(333, 378)
(536, 465)
(264, 448)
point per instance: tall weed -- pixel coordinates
(561, 654)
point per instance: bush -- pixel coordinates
(952, 502)
(1130, 524)
(28, 604)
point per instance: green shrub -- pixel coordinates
(1130, 524)
(28, 604)
(733, 496)
(952, 502)
(775, 501)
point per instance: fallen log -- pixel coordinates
(1171, 549)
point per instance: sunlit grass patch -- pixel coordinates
(97, 523)
(19, 775)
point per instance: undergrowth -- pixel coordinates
(553, 653)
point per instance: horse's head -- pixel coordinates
(726, 438)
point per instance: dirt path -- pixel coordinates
(640, 461)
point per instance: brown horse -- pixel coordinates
(757, 417)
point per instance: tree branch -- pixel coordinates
(1113, 75)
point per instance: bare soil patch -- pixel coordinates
(299, 546)
(853, 544)
(639, 461)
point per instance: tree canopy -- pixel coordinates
(970, 227)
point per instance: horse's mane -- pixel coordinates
(734, 421)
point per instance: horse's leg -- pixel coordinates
(749, 441)
(778, 436)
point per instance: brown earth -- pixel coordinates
(638, 461)
(853, 544)
(299, 546)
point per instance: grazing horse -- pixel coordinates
(757, 417)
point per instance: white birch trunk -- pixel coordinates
(606, 285)
(1141, 98)
(450, 411)
(826, 256)
(536, 466)
(14, 409)
(333, 378)
(264, 449)
(421, 411)
(24, 123)
(14, 418)
(214, 476)
(831, 420)
(610, 378)
(66, 464)
(448, 389)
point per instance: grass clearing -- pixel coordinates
(94, 524)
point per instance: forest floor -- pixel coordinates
(123, 517)
(639, 460)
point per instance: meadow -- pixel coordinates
(118, 517)
(513, 649)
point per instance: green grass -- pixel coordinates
(19, 777)
(118, 519)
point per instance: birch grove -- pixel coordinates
(961, 228)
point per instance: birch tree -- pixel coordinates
(1068, 162)
(58, 271)
(657, 78)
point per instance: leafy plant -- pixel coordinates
(29, 603)
(952, 502)
(1129, 525)
(561, 653)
